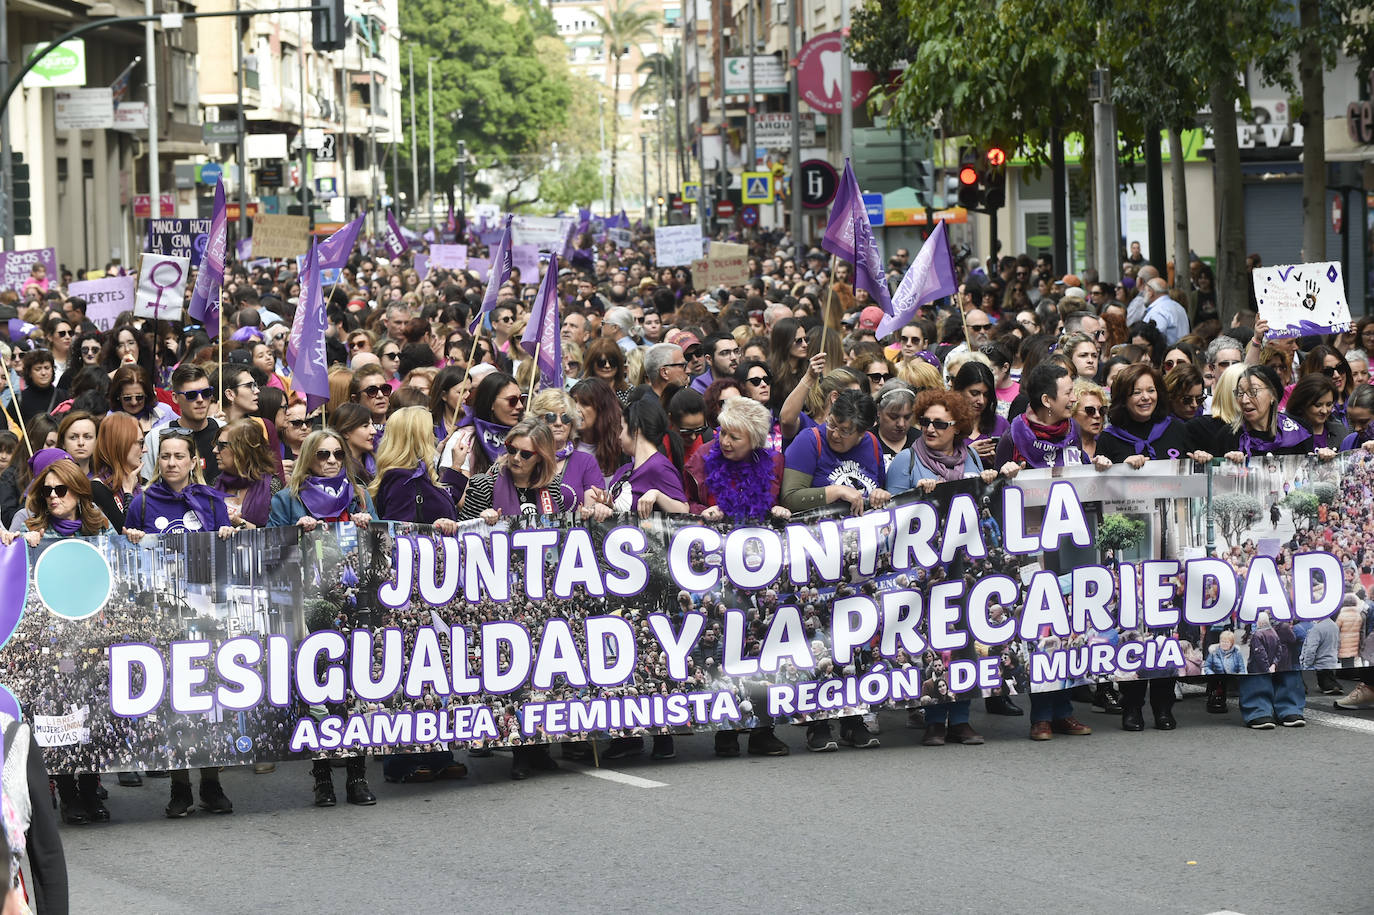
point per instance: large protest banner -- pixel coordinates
(105, 298)
(179, 237)
(277, 236)
(1302, 300)
(17, 266)
(189, 650)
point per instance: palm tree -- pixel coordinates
(622, 28)
(662, 77)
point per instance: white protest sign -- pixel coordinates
(62, 730)
(547, 233)
(448, 257)
(677, 246)
(1302, 300)
(161, 286)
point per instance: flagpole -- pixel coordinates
(17, 417)
(829, 304)
(534, 377)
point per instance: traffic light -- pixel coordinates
(925, 182)
(970, 179)
(995, 179)
(327, 32)
(23, 209)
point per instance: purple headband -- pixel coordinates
(928, 358)
(45, 458)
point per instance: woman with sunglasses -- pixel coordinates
(371, 389)
(601, 421)
(117, 466)
(131, 392)
(353, 424)
(322, 488)
(76, 435)
(247, 473)
(978, 383)
(604, 359)
(407, 486)
(755, 382)
(292, 428)
(60, 505)
(1185, 389)
(526, 485)
(1180, 353)
(389, 356)
(177, 501)
(1090, 413)
(497, 406)
(60, 335)
(85, 351)
(1142, 426)
(789, 352)
(576, 468)
(1328, 361)
(1311, 404)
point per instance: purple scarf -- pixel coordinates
(1287, 434)
(67, 528)
(257, 496)
(1146, 445)
(743, 490)
(159, 501)
(948, 467)
(506, 498)
(491, 436)
(1046, 452)
(327, 498)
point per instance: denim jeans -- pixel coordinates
(948, 713)
(1050, 706)
(1271, 695)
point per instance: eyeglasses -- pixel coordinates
(940, 424)
(1092, 411)
(1331, 370)
(1226, 363)
(394, 354)
(178, 431)
(916, 340)
(562, 418)
(524, 454)
(605, 362)
(62, 333)
(47, 492)
(675, 365)
(217, 447)
(324, 455)
(1171, 363)
(504, 319)
(1250, 394)
(375, 390)
(90, 350)
(800, 341)
(879, 377)
(250, 385)
(979, 328)
(298, 423)
(1191, 400)
(195, 394)
(514, 400)
(694, 431)
(132, 398)
(358, 344)
(758, 381)
(692, 352)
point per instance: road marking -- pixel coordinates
(1224, 912)
(634, 781)
(1345, 722)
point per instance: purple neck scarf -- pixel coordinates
(1046, 452)
(743, 489)
(257, 495)
(563, 453)
(327, 498)
(160, 501)
(1146, 445)
(948, 467)
(1287, 434)
(491, 436)
(67, 528)
(506, 498)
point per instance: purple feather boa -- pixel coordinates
(742, 489)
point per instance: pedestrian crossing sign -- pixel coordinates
(757, 186)
(691, 190)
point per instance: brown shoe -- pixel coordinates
(935, 736)
(1040, 730)
(964, 734)
(1070, 726)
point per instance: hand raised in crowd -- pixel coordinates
(816, 366)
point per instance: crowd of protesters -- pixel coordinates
(760, 401)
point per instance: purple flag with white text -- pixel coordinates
(849, 236)
(393, 241)
(931, 277)
(542, 338)
(310, 364)
(204, 305)
(337, 248)
(498, 273)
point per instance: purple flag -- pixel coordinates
(931, 277)
(393, 242)
(498, 273)
(584, 220)
(209, 281)
(542, 338)
(310, 365)
(849, 236)
(335, 250)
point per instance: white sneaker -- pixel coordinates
(1361, 697)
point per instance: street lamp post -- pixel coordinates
(644, 170)
(430, 88)
(414, 143)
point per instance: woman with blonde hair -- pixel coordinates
(577, 468)
(407, 486)
(921, 375)
(116, 465)
(323, 487)
(246, 473)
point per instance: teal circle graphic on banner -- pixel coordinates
(72, 579)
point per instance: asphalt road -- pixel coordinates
(1209, 818)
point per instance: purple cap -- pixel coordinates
(44, 459)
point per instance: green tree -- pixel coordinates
(1234, 513)
(1119, 533)
(1303, 504)
(495, 84)
(623, 28)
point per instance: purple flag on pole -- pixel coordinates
(584, 220)
(393, 242)
(931, 277)
(336, 249)
(849, 236)
(205, 297)
(310, 364)
(543, 338)
(498, 273)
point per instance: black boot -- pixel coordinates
(763, 742)
(182, 802)
(324, 784)
(356, 788)
(727, 744)
(1001, 705)
(212, 796)
(1132, 719)
(73, 810)
(88, 787)
(1216, 696)
(1328, 684)
(1106, 699)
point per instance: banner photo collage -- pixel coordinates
(189, 650)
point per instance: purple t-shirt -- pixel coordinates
(861, 467)
(656, 473)
(581, 473)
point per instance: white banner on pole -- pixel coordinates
(161, 286)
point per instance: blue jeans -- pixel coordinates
(948, 713)
(1272, 695)
(1051, 706)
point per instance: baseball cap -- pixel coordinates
(1070, 279)
(1074, 292)
(682, 338)
(870, 317)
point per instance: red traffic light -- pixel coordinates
(997, 157)
(968, 176)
